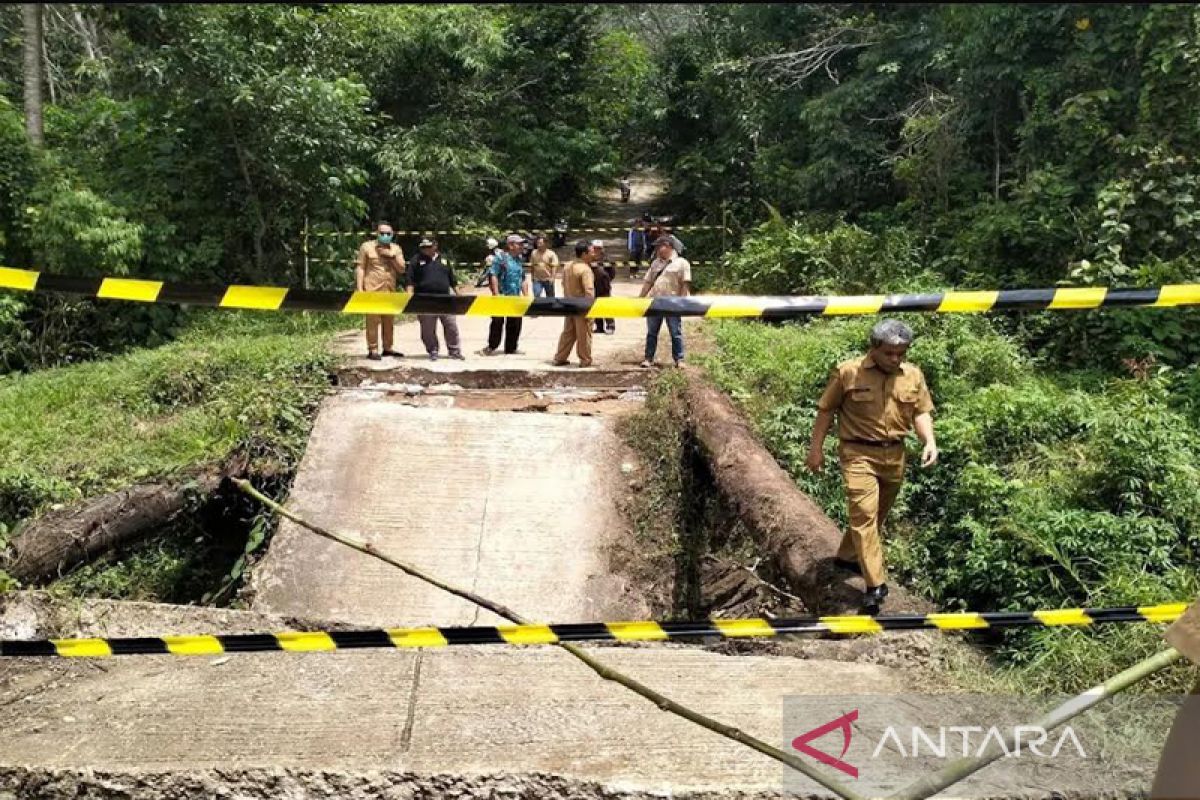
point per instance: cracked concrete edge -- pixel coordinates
(20, 783)
(34, 614)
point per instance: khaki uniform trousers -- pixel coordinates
(873, 477)
(577, 333)
(375, 323)
(376, 283)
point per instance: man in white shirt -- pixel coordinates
(670, 276)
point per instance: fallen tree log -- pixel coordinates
(791, 529)
(54, 543)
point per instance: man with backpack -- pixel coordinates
(506, 277)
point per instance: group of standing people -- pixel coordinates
(876, 399)
(643, 234)
(380, 267)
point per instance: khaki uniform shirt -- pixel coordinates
(578, 280)
(1184, 633)
(543, 264)
(381, 265)
(873, 405)
(666, 278)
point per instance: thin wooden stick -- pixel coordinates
(604, 671)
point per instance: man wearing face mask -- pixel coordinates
(378, 267)
(878, 399)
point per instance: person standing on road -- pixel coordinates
(602, 275)
(636, 245)
(543, 264)
(578, 281)
(878, 399)
(670, 276)
(429, 275)
(506, 277)
(378, 267)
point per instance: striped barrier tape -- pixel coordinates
(495, 231)
(272, 298)
(298, 641)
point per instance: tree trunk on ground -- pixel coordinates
(59, 541)
(31, 59)
(789, 527)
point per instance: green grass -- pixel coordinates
(1055, 489)
(234, 382)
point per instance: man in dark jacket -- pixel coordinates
(429, 275)
(603, 275)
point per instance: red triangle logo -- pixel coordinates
(842, 723)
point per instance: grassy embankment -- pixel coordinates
(1057, 487)
(234, 383)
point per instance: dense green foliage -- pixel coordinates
(856, 148)
(1054, 489)
(198, 141)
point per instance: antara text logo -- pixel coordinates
(944, 741)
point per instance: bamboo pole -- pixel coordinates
(601, 669)
(965, 767)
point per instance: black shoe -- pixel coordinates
(393, 354)
(873, 598)
(849, 566)
(374, 357)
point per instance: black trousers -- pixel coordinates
(511, 326)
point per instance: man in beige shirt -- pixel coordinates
(670, 276)
(378, 267)
(578, 281)
(543, 263)
(878, 399)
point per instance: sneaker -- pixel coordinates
(678, 362)
(585, 364)
(374, 357)
(458, 356)
(873, 598)
(487, 351)
(514, 353)
(646, 364)
(611, 332)
(433, 356)
(559, 363)
(393, 354)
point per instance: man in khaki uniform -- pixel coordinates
(878, 399)
(543, 264)
(578, 281)
(378, 267)
(1178, 768)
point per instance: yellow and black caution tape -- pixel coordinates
(500, 231)
(273, 298)
(649, 631)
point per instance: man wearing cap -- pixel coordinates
(378, 267)
(543, 264)
(429, 275)
(878, 399)
(670, 276)
(578, 281)
(602, 276)
(506, 277)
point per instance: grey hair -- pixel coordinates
(891, 332)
